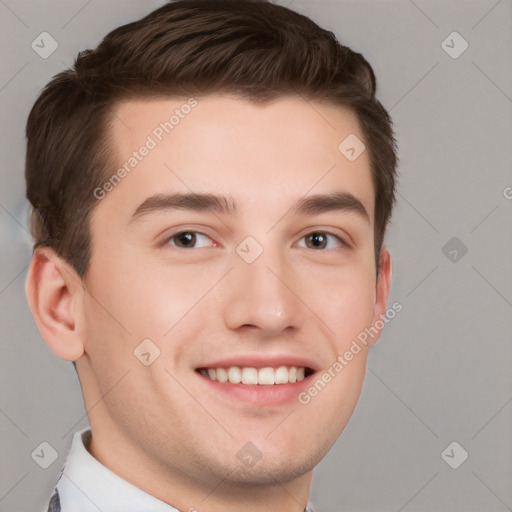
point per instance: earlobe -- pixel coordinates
(382, 292)
(54, 294)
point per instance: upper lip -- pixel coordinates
(261, 361)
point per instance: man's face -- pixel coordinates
(261, 285)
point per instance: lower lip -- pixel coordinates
(257, 394)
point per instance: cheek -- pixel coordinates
(345, 304)
(163, 299)
(162, 304)
(131, 295)
(108, 339)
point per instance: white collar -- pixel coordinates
(86, 485)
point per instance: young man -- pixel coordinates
(211, 188)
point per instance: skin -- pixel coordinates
(159, 426)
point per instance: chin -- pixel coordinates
(268, 473)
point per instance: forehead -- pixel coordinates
(260, 154)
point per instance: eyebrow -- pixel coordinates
(185, 201)
(336, 201)
(200, 202)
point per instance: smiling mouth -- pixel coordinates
(251, 376)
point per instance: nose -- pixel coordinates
(263, 296)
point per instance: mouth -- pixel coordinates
(253, 376)
(257, 383)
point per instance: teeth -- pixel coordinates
(222, 375)
(249, 376)
(252, 376)
(281, 375)
(266, 376)
(234, 375)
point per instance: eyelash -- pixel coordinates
(317, 232)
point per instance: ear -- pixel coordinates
(382, 292)
(55, 295)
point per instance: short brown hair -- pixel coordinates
(254, 49)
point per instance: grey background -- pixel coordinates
(442, 369)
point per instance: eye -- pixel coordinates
(188, 240)
(322, 240)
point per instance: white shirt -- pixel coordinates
(86, 485)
